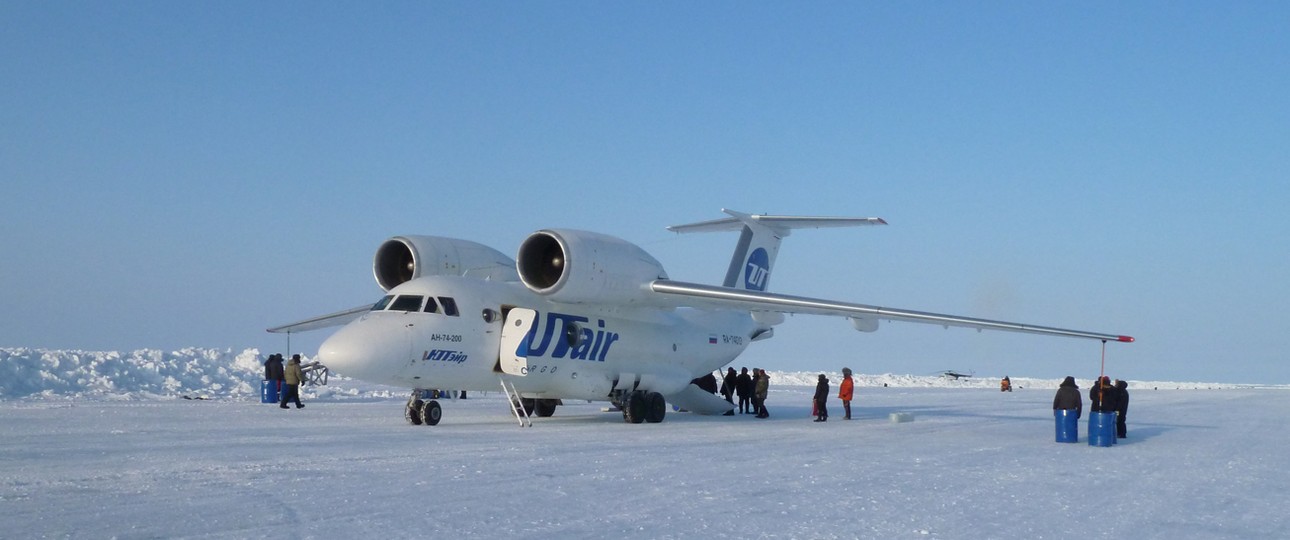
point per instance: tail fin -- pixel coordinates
(759, 241)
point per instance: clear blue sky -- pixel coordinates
(189, 173)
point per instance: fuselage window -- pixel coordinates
(380, 304)
(431, 306)
(449, 306)
(406, 302)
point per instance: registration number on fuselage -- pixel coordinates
(451, 338)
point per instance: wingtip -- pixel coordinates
(1126, 339)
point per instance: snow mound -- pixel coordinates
(141, 374)
(221, 373)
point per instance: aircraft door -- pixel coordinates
(405, 343)
(517, 333)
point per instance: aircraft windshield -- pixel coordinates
(445, 305)
(449, 306)
(407, 302)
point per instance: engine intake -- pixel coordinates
(585, 267)
(405, 258)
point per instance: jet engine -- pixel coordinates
(405, 258)
(585, 267)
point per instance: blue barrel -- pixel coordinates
(269, 392)
(1067, 421)
(1101, 429)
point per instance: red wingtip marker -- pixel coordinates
(1126, 339)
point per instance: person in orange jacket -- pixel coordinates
(845, 391)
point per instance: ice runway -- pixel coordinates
(975, 463)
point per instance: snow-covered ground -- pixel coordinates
(102, 445)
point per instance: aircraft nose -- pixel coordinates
(354, 352)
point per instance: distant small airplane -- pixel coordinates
(581, 315)
(951, 374)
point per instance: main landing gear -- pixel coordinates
(419, 412)
(642, 406)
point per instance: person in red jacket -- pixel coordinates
(845, 391)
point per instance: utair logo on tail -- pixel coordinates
(758, 269)
(582, 315)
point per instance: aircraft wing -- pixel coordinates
(323, 321)
(863, 317)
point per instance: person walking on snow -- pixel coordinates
(293, 378)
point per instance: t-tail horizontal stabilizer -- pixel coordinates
(759, 241)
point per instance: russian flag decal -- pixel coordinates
(712, 339)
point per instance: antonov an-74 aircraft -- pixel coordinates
(581, 315)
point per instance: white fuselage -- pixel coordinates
(573, 351)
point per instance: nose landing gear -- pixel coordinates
(418, 412)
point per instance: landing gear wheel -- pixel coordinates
(545, 407)
(412, 412)
(655, 407)
(634, 407)
(431, 412)
(527, 405)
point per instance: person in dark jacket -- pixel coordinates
(1068, 397)
(1102, 397)
(821, 399)
(1121, 408)
(728, 385)
(707, 383)
(744, 389)
(273, 370)
(293, 377)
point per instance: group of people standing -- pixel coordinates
(750, 389)
(1104, 397)
(845, 391)
(287, 378)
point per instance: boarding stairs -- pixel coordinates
(517, 407)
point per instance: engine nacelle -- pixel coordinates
(405, 258)
(585, 267)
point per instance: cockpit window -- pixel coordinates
(380, 304)
(431, 306)
(406, 302)
(449, 306)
